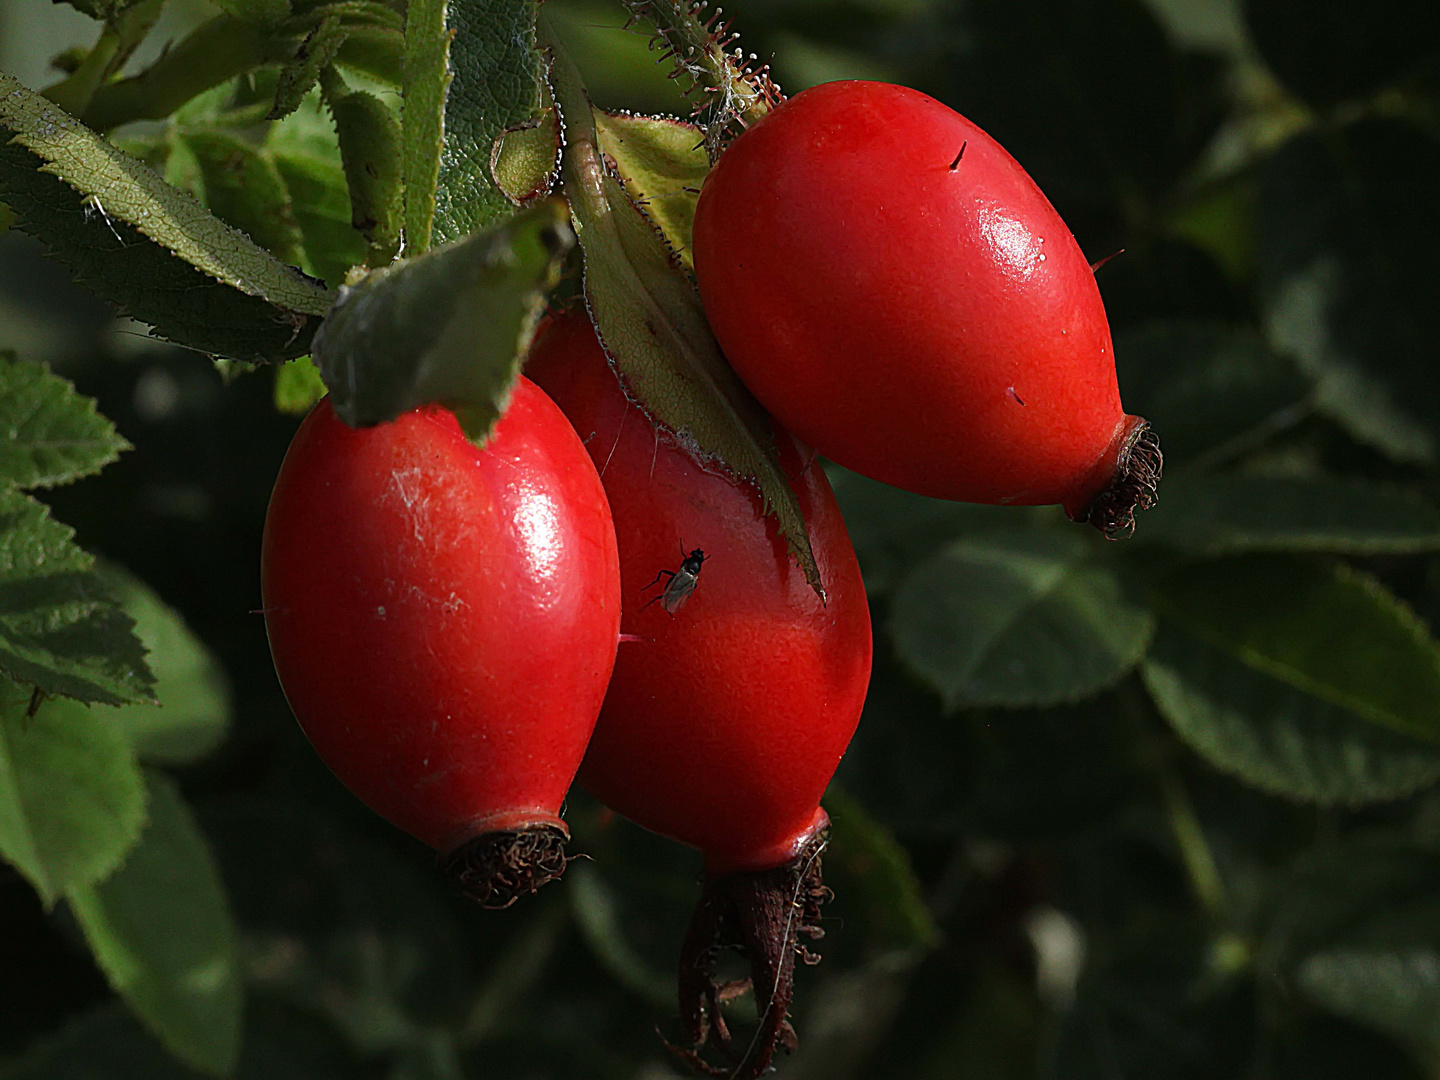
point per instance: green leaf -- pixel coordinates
(875, 878)
(1347, 277)
(596, 908)
(1016, 618)
(662, 162)
(1318, 628)
(49, 434)
(192, 712)
(306, 152)
(59, 628)
(143, 245)
(1336, 891)
(298, 386)
(259, 12)
(495, 85)
(72, 800)
(374, 51)
(525, 160)
(471, 73)
(160, 929)
(1209, 388)
(302, 73)
(650, 321)
(243, 188)
(1278, 738)
(426, 83)
(1221, 514)
(1394, 990)
(370, 137)
(450, 326)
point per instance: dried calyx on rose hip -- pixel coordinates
(896, 290)
(444, 618)
(728, 713)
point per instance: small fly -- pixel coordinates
(679, 584)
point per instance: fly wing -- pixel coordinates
(677, 591)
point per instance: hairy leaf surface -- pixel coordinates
(143, 245)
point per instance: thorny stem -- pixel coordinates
(733, 92)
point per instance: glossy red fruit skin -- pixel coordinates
(926, 321)
(443, 617)
(724, 723)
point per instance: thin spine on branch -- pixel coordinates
(732, 88)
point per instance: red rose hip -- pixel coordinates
(735, 692)
(896, 290)
(443, 618)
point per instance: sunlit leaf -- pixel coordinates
(243, 188)
(370, 138)
(471, 73)
(150, 249)
(298, 386)
(650, 321)
(307, 155)
(662, 162)
(300, 75)
(261, 12)
(525, 160)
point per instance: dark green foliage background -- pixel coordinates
(1049, 862)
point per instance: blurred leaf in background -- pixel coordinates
(1167, 808)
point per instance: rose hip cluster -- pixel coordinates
(460, 629)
